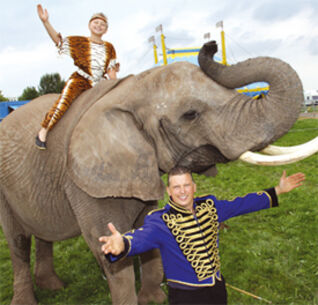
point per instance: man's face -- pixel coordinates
(181, 189)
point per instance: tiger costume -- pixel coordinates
(93, 61)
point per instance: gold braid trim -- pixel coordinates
(197, 239)
(268, 195)
(197, 285)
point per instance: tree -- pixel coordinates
(2, 98)
(29, 93)
(51, 83)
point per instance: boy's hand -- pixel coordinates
(43, 14)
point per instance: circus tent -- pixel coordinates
(191, 55)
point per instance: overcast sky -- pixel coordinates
(287, 29)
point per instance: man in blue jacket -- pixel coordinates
(186, 232)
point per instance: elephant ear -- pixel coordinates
(110, 157)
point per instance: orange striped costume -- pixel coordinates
(93, 61)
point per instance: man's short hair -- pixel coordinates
(179, 170)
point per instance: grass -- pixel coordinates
(272, 253)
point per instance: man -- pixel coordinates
(186, 232)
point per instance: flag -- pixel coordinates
(159, 28)
(219, 24)
(152, 39)
(207, 36)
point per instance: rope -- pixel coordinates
(248, 293)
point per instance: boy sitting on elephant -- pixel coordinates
(94, 58)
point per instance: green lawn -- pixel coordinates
(272, 254)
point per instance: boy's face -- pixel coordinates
(98, 27)
(181, 189)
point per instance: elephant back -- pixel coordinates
(18, 131)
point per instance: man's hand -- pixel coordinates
(113, 243)
(286, 184)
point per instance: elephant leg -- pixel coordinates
(151, 269)
(151, 278)
(121, 282)
(45, 276)
(93, 215)
(19, 242)
(120, 275)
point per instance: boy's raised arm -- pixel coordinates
(44, 16)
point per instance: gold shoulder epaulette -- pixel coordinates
(201, 196)
(155, 210)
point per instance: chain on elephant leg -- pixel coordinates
(45, 276)
(151, 278)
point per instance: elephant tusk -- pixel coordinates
(282, 150)
(296, 153)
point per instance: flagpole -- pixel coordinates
(152, 39)
(164, 54)
(220, 24)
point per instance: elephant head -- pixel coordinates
(178, 114)
(276, 112)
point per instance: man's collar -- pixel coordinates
(178, 208)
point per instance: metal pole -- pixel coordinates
(155, 53)
(220, 25)
(153, 41)
(164, 54)
(223, 48)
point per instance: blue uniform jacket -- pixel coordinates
(188, 243)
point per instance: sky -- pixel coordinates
(286, 29)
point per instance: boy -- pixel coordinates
(94, 58)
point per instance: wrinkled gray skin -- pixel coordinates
(105, 157)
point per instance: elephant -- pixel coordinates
(105, 158)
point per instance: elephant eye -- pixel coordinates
(190, 115)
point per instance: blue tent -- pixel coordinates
(7, 107)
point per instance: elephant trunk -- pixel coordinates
(253, 124)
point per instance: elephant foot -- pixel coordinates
(155, 295)
(26, 298)
(52, 282)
